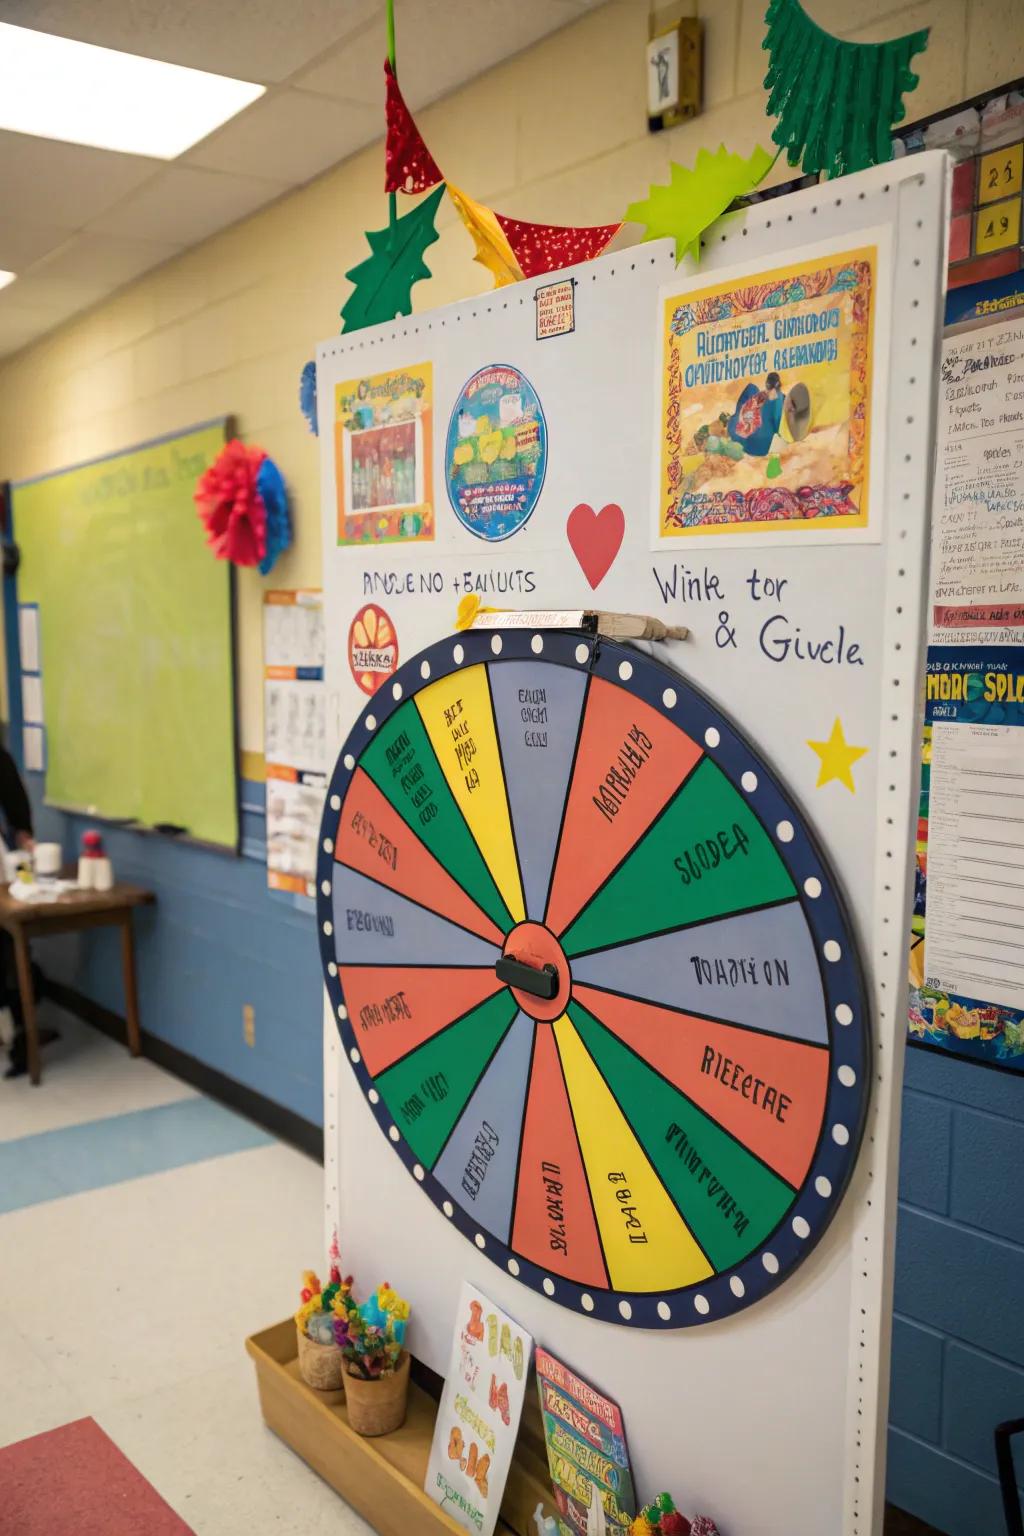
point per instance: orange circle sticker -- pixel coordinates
(372, 648)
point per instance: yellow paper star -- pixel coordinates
(837, 758)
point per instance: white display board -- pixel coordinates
(772, 1420)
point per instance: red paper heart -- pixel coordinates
(596, 538)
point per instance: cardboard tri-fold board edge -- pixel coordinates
(381, 1478)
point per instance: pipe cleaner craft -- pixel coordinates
(835, 102)
(243, 505)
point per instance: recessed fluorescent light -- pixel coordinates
(7, 277)
(55, 88)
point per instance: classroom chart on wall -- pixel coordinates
(966, 983)
(294, 749)
(610, 995)
(134, 630)
(587, 1455)
(650, 1133)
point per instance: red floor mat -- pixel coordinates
(76, 1481)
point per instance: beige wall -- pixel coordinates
(557, 134)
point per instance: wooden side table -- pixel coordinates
(72, 912)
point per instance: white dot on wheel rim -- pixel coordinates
(537, 644)
(844, 1014)
(350, 763)
(424, 669)
(396, 691)
(417, 1172)
(737, 1287)
(342, 1012)
(480, 1241)
(513, 1266)
(325, 885)
(458, 655)
(625, 1310)
(832, 950)
(354, 1056)
(587, 1302)
(664, 1311)
(801, 1226)
(625, 670)
(847, 1076)
(496, 644)
(812, 887)
(393, 1132)
(840, 1135)
(582, 653)
(336, 799)
(448, 1209)
(548, 1286)
(749, 782)
(701, 1305)
(328, 929)
(784, 831)
(371, 722)
(712, 737)
(669, 698)
(332, 969)
(823, 1186)
(328, 845)
(373, 1096)
(770, 1263)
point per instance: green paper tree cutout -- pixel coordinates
(836, 102)
(383, 282)
(693, 200)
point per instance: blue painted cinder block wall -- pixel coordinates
(216, 940)
(958, 1339)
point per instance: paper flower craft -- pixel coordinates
(371, 1336)
(307, 396)
(243, 505)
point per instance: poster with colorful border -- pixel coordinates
(765, 401)
(586, 1445)
(478, 1416)
(977, 694)
(383, 454)
(496, 452)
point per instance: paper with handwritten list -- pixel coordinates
(978, 536)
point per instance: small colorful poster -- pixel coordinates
(478, 1417)
(294, 736)
(587, 1453)
(372, 648)
(766, 401)
(382, 451)
(496, 453)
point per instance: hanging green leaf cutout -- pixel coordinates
(693, 200)
(383, 282)
(836, 102)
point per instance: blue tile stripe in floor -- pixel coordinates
(102, 1152)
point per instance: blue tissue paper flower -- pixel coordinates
(307, 396)
(270, 485)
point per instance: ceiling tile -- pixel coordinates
(247, 39)
(39, 177)
(183, 205)
(289, 136)
(441, 43)
(23, 243)
(88, 267)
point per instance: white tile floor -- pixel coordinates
(130, 1303)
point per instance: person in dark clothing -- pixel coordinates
(16, 815)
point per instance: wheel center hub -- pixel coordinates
(534, 959)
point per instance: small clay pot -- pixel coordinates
(321, 1365)
(377, 1407)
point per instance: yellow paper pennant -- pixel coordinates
(492, 249)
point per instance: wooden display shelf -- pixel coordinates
(383, 1478)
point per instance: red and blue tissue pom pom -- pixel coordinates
(243, 504)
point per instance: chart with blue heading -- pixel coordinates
(593, 975)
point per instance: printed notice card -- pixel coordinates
(587, 1453)
(478, 1419)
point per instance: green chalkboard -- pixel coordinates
(136, 644)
